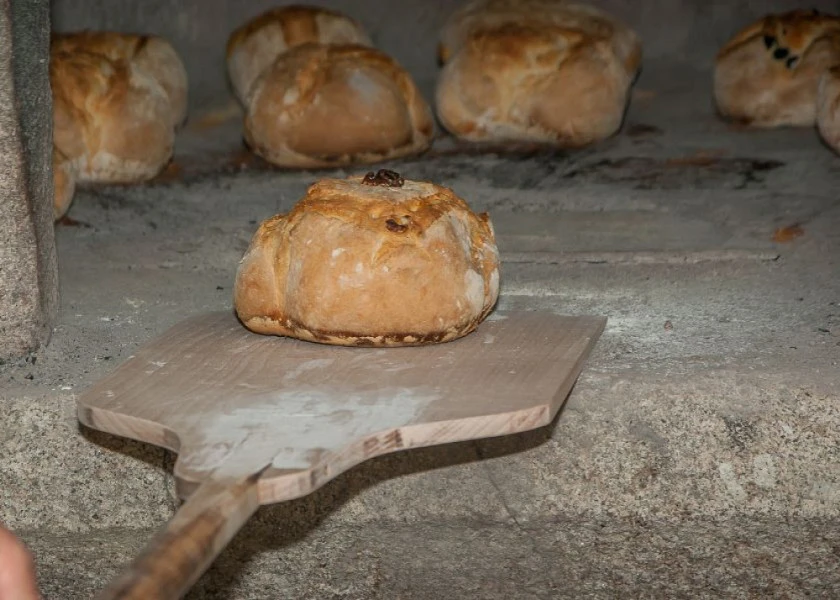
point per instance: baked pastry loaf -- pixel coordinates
(254, 46)
(767, 75)
(535, 70)
(116, 104)
(323, 105)
(828, 108)
(373, 261)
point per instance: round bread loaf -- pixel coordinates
(535, 71)
(334, 105)
(117, 100)
(828, 108)
(370, 261)
(767, 75)
(111, 123)
(253, 47)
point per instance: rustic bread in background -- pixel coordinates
(828, 108)
(254, 46)
(767, 75)
(535, 71)
(110, 124)
(113, 119)
(152, 55)
(370, 261)
(333, 105)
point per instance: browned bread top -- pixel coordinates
(254, 46)
(568, 24)
(387, 202)
(767, 75)
(112, 122)
(535, 70)
(374, 260)
(114, 45)
(81, 83)
(787, 37)
(152, 55)
(300, 25)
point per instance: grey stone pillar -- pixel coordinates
(28, 266)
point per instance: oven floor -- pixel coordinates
(697, 453)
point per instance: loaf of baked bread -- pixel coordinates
(370, 261)
(828, 108)
(117, 100)
(767, 75)
(321, 105)
(535, 71)
(254, 46)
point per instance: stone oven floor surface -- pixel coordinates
(699, 453)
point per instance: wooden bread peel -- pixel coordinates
(258, 419)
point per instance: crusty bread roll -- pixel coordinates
(828, 108)
(152, 55)
(373, 261)
(255, 45)
(536, 71)
(116, 102)
(113, 125)
(333, 105)
(767, 74)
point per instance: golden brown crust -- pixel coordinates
(767, 75)
(152, 54)
(333, 105)
(587, 21)
(254, 46)
(828, 108)
(299, 25)
(535, 70)
(117, 99)
(354, 264)
(110, 122)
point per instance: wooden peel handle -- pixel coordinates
(174, 560)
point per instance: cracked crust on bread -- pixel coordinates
(361, 264)
(117, 100)
(336, 105)
(254, 46)
(153, 55)
(536, 71)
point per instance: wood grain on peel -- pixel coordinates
(235, 398)
(185, 548)
(258, 419)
